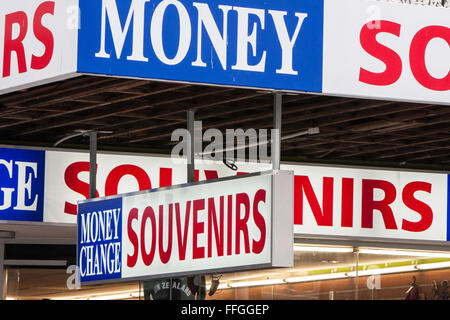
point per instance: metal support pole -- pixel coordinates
(191, 146)
(276, 133)
(3, 275)
(356, 253)
(92, 164)
(191, 150)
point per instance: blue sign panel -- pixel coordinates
(22, 175)
(100, 240)
(242, 43)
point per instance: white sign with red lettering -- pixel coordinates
(387, 51)
(328, 200)
(370, 203)
(234, 223)
(67, 177)
(38, 42)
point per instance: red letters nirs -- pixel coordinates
(323, 215)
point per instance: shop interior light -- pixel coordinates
(317, 277)
(70, 298)
(436, 265)
(430, 254)
(405, 253)
(301, 248)
(223, 286)
(342, 275)
(105, 296)
(376, 271)
(118, 296)
(265, 282)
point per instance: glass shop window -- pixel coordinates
(319, 273)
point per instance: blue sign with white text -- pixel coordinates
(242, 43)
(22, 175)
(100, 240)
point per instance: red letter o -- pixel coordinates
(417, 57)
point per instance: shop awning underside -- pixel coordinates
(141, 116)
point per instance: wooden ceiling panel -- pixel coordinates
(141, 115)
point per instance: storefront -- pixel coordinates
(369, 230)
(394, 237)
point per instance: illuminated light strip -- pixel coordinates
(405, 253)
(342, 275)
(118, 296)
(322, 249)
(317, 277)
(300, 248)
(267, 282)
(436, 265)
(105, 296)
(376, 271)
(222, 286)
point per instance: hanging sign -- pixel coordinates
(381, 50)
(276, 44)
(238, 223)
(363, 49)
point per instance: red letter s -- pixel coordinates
(131, 260)
(391, 59)
(75, 184)
(258, 246)
(43, 35)
(423, 209)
